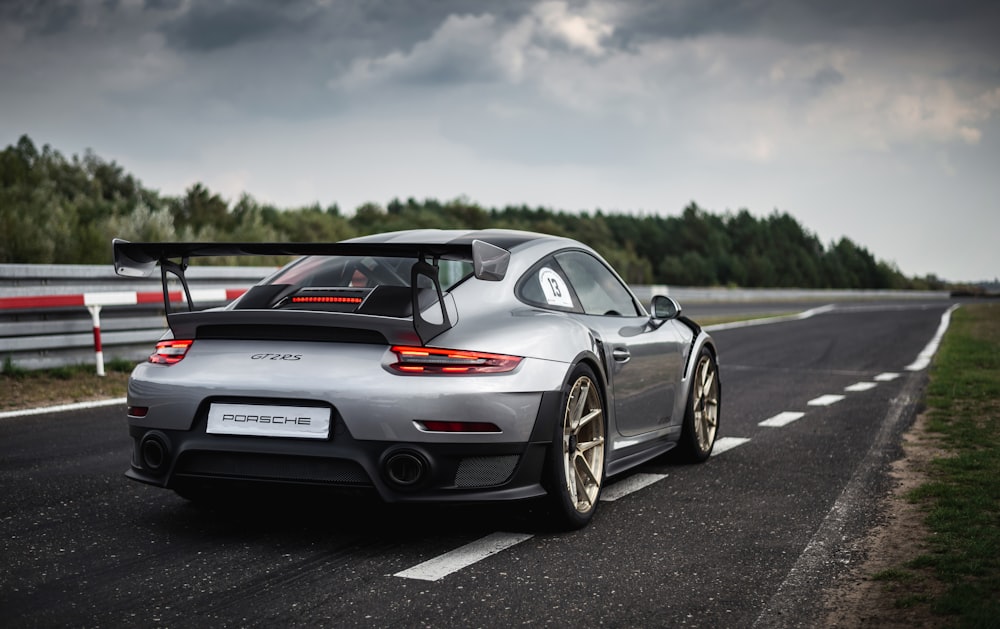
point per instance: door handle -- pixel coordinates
(621, 354)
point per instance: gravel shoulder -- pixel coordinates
(861, 599)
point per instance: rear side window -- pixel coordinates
(599, 291)
(575, 281)
(546, 285)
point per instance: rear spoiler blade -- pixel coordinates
(138, 259)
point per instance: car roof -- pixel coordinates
(505, 238)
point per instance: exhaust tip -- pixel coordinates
(153, 451)
(405, 468)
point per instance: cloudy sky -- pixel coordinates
(879, 121)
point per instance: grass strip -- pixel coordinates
(21, 388)
(962, 497)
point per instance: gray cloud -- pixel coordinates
(364, 26)
(43, 18)
(843, 113)
(163, 5)
(827, 76)
(209, 26)
(809, 20)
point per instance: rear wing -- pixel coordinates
(138, 259)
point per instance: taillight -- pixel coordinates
(170, 352)
(431, 360)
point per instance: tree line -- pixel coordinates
(65, 211)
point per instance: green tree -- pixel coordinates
(199, 209)
(58, 210)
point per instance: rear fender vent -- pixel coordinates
(485, 471)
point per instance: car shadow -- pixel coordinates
(304, 514)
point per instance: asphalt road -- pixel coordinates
(749, 538)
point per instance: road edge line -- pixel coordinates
(927, 353)
(806, 314)
(59, 408)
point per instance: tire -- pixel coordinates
(701, 416)
(576, 465)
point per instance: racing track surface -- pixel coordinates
(747, 539)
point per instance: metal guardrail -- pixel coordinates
(40, 336)
(52, 336)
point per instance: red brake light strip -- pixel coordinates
(431, 360)
(325, 300)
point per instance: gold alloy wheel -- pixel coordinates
(706, 402)
(583, 444)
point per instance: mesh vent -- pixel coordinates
(271, 467)
(485, 471)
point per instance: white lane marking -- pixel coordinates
(752, 322)
(861, 386)
(77, 406)
(886, 377)
(632, 483)
(782, 419)
(727, 443)
(455, 560)
(925, 356)
(825, 400)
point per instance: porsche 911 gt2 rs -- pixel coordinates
(423, 365)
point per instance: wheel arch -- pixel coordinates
(592, 360)
(699, 342)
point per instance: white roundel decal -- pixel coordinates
(554, 288)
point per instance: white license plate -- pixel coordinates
(262, 420)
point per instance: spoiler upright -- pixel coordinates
(138, 259)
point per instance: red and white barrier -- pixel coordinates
(93, 302)
(118, 298)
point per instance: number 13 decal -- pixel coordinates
(554, 288)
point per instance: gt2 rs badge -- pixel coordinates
(276, 357)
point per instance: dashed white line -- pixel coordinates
(781, 419)
(632, 483)
(857, 387)
(886, 377)
(455, 560)
(825, 400)
(727, 443)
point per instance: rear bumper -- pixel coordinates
(447, 472)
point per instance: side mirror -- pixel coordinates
(665, 308)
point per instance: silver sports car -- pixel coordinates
(425, 365)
